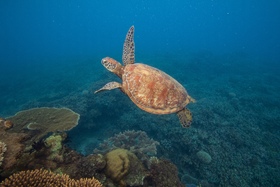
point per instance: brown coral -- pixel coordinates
(117, 164)
(91, 165)
(3, 149)
(8, 124)
(14, 145)
(2, 120)
(45, 120)
(34, 178)
(164, 173)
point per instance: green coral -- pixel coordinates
(54, 143)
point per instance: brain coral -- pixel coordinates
(124, 168)
(35, 178)
(117, 164)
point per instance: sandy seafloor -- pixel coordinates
(235, 118)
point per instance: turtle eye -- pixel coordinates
(104, 62)
(108, 64)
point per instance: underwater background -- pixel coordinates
(225, 53)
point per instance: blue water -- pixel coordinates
(225, 53)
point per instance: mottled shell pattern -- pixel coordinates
(153, 90)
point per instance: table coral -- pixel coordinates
(45, 120)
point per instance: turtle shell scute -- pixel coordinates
(153, 90)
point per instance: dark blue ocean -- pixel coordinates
(225, 53)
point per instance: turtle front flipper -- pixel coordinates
(109, 86)
(128, 47)
(185, 117)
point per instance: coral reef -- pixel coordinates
(115, 167)
(34, 178)
(31, 149)
(3, 149)
(45, 120)
(236, 121)
(137, 142)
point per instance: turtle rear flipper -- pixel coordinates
(109, 86)
(185, 117)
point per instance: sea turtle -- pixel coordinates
(150, 89)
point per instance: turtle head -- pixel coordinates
(113, 66)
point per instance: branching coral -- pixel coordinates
(3, 149)
(137, 142)
(34, 178)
